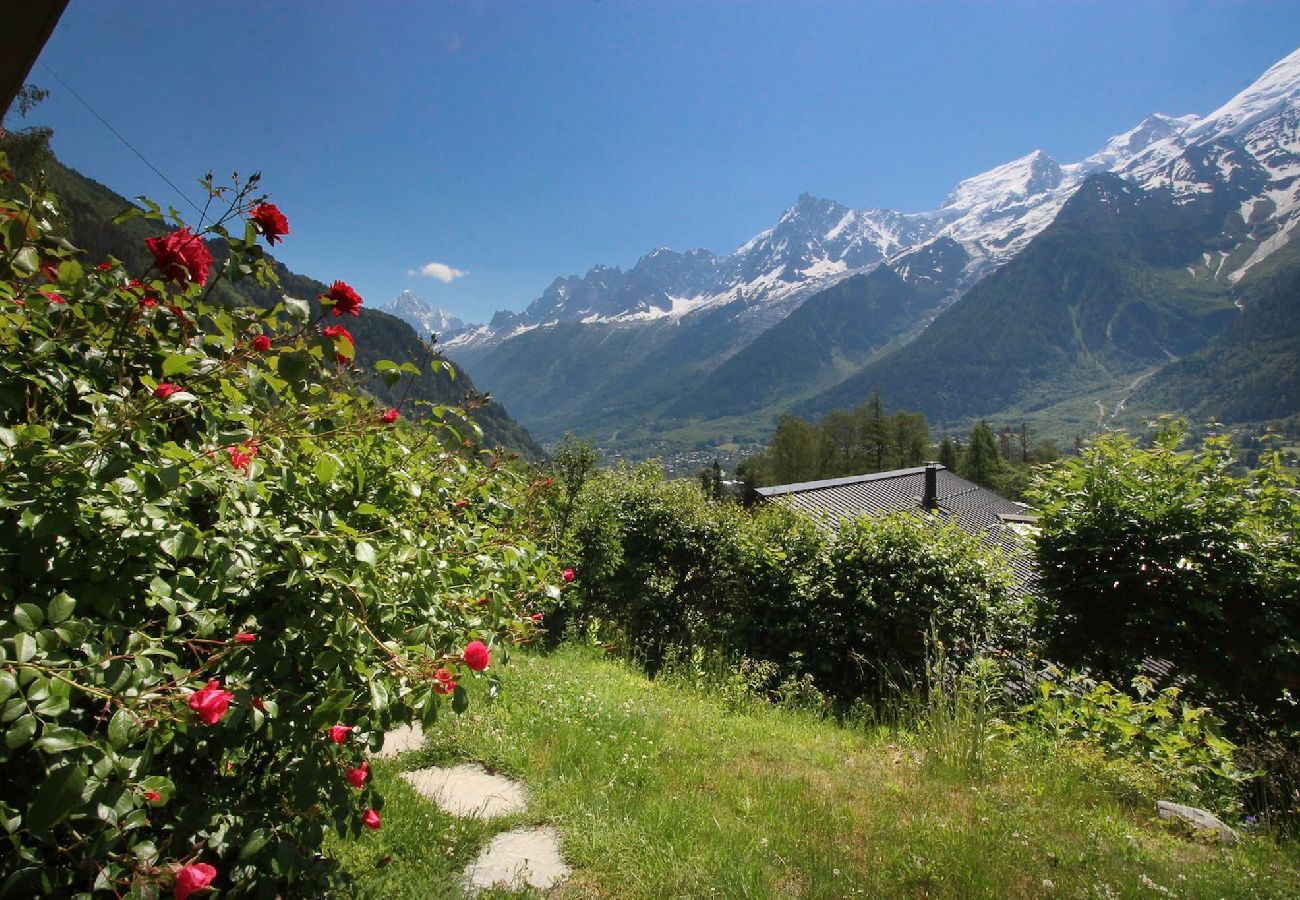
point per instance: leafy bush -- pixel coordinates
(1170, 746)
(225, 571)
(901, 581)
(652, 558)
(666, 567)
(1150, 552)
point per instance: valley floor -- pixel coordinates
(661, 791)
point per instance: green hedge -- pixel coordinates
(665, 566)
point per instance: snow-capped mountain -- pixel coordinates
(620, 346)
(424, 317)
(982, 223)
(1246, 151)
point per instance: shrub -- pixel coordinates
(901, 581)
(1149, 552)
(653, 559)
(665, 566)
(225, 571)
(1155, 742)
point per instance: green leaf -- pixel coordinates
(429, 715)
(331, 711)
(59, 795)
(8, 684)
(256, 841)
(59, 608)
(121, 728)
(160, 783)
(459, 700)
(365, 553)
(378, 695)
(26, 261)
(20, 732)
(327, 468)
(24, 646)
(28, 616)
(69, 272)
(179, 545)
(295, 366)
(297, 309)
(177, 365)
(127, 215)
(60, 740)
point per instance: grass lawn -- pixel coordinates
(661, 792)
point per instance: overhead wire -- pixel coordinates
(144, 159)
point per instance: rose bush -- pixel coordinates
(225, 573)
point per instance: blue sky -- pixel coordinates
(519, 141)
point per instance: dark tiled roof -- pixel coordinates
(972, 508)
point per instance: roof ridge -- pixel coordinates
(797, 487)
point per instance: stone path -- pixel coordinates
(519, 858)
(515, 859)
(469, 791)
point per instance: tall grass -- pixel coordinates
(663, 789)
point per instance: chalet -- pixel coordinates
(929, 490)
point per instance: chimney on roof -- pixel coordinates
(930, 496)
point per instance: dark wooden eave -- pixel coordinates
(25, 26)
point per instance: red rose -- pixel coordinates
(444, 687)
(261, 343)
(536, 617)
(567, 575)
(245, 637)
(270, 221)
(357, 777)
(50, 271)
(338, 331)
(181, 256)
(344, 300)
(104, 267)
(165, 390)
(340, 733)
(152, 796)
(483, 601)
(258, 704)
(389, 416)
(461, 503)
(211, 702)
(476, 656)
(239, 460)
(193, 878)
(53, 296)
(444, 674)
(370, 819)
(148, 301)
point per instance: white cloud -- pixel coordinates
(441, 271)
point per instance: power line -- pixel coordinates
(119, 136)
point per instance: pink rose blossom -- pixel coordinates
(476, 655)
(211, 702)
(357, 777)
(193, 878)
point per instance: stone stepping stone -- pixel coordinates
(401, 740)
(469, 791)
(518, 859)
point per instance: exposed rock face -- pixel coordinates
(1206, 821)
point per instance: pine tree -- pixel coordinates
(981, 463)
(948, 454)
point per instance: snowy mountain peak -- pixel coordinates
(1123, 147)
(424, 317)
(1266, 97)
(1033, 173)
